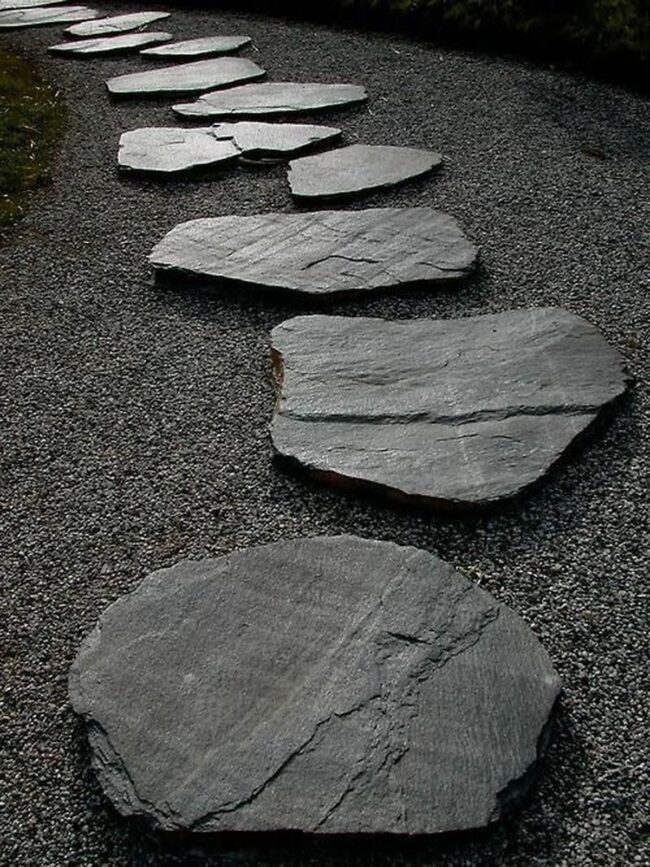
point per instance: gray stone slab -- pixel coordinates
(323, 253)
(116, 24)
(271, 98)
(29, 4)
(186, 77)
(255, 138)
(41, 16)
(357, 169)
(461, 412)
(202, 47)
(327, 685)
(110, 44)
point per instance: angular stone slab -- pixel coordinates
(175, 149)
(460, 412)
(323, 253)
(273, 98)
(28, 4)
(44, 15)
(328, 685)
(110, 44)
(203, 47)
(116, 24)
(357, 169)
(186, 77)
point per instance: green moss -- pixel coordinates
(31, 122)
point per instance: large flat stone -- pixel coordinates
(462, 412)
(44, 15)
(323, 253)
(186, 77)
(116, 24)
(28, 4)
(110, 44)
(328, 685)
(356, 169)
(202, 47)
(271, 98)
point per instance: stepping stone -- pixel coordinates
(174, 149)
(327, 685)
(202, 47)
(323, 253)
(40, 16)
(110, 44)
(116, 24)
(459, 412)
(272, 98)
(186, 78)
(357, 169)
(28, 4)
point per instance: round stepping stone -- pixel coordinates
(272, 98)
(323, 253)
(110, 44)
(41, 16)
(186, 77)
(327, 685)
(202, 47)
(460, 412)
(28, 4)
(116, 24)
(174, 149)
(357, 169)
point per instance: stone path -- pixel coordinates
(202, 47)
(110, 44)
(14, 20)
(115, 24)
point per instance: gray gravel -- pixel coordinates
(135, 426)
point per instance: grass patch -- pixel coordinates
(31, 123)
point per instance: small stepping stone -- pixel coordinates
(273, 98)
(174, 149)
(44, 15)
(116, 24)
(323, 253)
(331, 685)
(110, 44)
(444, 413)
(357, 169)
(28, 4)
(186, 77)
(203, 47)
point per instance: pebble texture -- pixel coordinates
(202, 47)
(357, 169)
(116, 24)
(110, 44)
(186, 77)
(19, 18)
(332, 685)
(273, 97)
(322, 253)
(461, 412)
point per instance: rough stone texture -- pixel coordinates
(110, 44)
(116, 24)
(329, 685)
(322, 253)
(461, 412)
(255, 138)
(186, 77)
(201, 47)
(274, 97)
(356, 169)
(28, 4)
(18, 18)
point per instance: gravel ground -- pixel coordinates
(135, 427)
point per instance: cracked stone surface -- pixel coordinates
(202, 47)
(28, 4)
(35, 17)
(327, 685)
(322, 253)
(110, 44)
(461, 412)
(175, 149)
(274, 97)
(116, 24)
(357, 168)
(185, 77)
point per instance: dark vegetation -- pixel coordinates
(31, 121)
